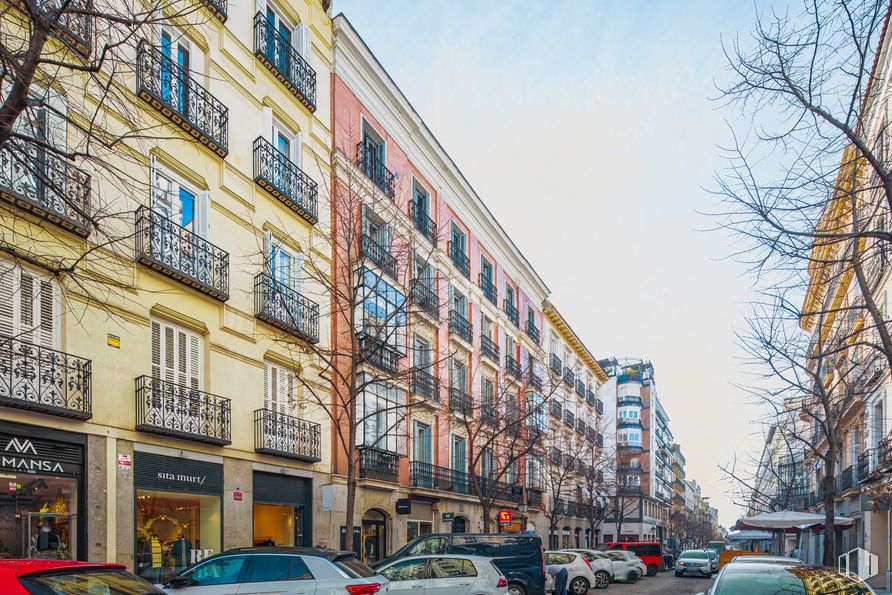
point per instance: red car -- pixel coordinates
(66, 577)
(650, 552)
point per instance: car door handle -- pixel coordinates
(418, 586)
(463, 584)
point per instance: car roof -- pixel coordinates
(765, 560)
(30, 566)
(319, 552)
(451, 556)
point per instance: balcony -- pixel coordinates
(459, 259)
(569, 377)
(440, 479)
(580, 426)
(379, 255)
(534, 497)
(276, 53)
(45, 185)
(375, 170)
(867, 464)
(534, 380)
(556, 365)
(44, 380)
(511, 312)
(556, 410)
(379, 354)
(218, 8)
(178, 253)
(590, 434)
(181, 412)
(425, 297)
(629, 422)
(286, 436)
(580, 388)
(489, 416)
(460, 401)
(499, 490)
(425, 384)
(630, 400)
(424, 224)
(378, 464)
(489, 289)
(489, 349)
(599, 406)
(171, 90)
(73, 26)
(512, 367)
(459, 325)
(276, 174)
(532, 331)
(286, 309)
(569, 418)
(846, 480)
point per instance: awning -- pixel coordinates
(789, 519)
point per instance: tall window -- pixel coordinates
(459, 302)
(534, 472)
(381, 312)
(488, 393)
(459, 240)
(486, 269)
(175, 68)
(382, 407)
(510, 295)
(282, 264)
(459, 454)
(536, 416)
(487, 463)
(486, 327)
(422, 349)
(422, 271)
(420, 197)
(459, 375)
(423, 443)
(279, 389)
(278, 34)
(377, 231)
(29, 306)
(176, 355)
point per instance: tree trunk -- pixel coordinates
(829, 530)
(487, 509)
(351, 499)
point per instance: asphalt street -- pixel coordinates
(665, 583)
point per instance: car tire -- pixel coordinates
(578, 586)
(652, 570)
(602, 579)
(677, 574)
(633, 576)
(515, 589)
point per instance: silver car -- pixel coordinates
(280, 570)
(713, 559)
(580, 577)
(693, 562)
(445, 574)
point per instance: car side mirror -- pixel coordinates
(178, 582)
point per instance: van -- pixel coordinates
(650, 552)
(520, 557)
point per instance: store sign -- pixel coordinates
(504, 518)
(177, 474)
(237, 496)
(33, 455)
(403, 506)
(448, 517)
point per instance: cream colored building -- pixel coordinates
(163, 420)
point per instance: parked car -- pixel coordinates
(713, 559)
(519, 557)
(718, 546)
(63, 577)
(626, 565)
(599, 563)
(448, 574)
(765, 560)
(772, 578)
(651, 552)
(581, 578)
(694, 562)
(280, 570)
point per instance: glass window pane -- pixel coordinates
(409, 570)
(299, 570)
(269, 568)
(221, 571)
(452, 567)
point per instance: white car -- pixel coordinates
(600, 565)
(580, 577)
(626, 565)
(279, 570)
(445, 574)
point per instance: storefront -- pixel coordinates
(421, 520)
(282, 510)
(374, 536)
(179, 518)
(42, 494)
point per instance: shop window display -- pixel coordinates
(38, 517)
(278, 524)
(174, 531)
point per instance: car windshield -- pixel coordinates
(695, 554)
(616, 555)
(770, 579)
(89, 582)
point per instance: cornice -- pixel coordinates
(572, 339)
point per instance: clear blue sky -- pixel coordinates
(587, 128)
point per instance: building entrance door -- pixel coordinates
(374, 537)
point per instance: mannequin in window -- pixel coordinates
(47, 539)
(180, 551)
(152, 558)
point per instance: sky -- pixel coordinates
(590, 130)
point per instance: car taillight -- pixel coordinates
(587, 563)
(363, 589)
(503, 582)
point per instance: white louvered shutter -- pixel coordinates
(8, 283)
(261, 7)
(268, 125)
(268, 253)
(297, 273)
(57, 120)
(196, 64)
(297, 34)
(165, 199)
(157, 350)
(176, 355)
(297, 149)
(203, 215)
(306, 41)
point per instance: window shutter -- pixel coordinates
(297, 273)
(8, 277)
(156, 349)
(47, 314)
(297, 42)
(297, 144)
(196, 64)
(268, 253)
(57, 121)
(268, 125)
(261, 7)
(306, 39)
(26, 307)
(203, 215)
(267, 387)
(168, 354)
(194, 361)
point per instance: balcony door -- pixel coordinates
(177, 362)
(420, 198)
(422, 446)
(459, 464)
(458, 239)
(176, 64)
(279, 399)
(375, 155)
(180, 226)
(278, 41)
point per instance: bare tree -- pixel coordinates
(564, 452)
(601, 463)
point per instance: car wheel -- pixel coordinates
(515, 589)
(678, 574)
(633, 576)
(602, 579)
(578, 586)
(652, 570)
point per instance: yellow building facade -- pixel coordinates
(154, 399)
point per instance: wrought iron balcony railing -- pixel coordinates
(218, 8)
(556, 410)
(460, 325)
(178, 253)
(442, 479)
(182, 412)
(459, 259)
(556, 364)
(569, 418)
(590, 397)
(45, 184)
(499, 490)
(580, 426)
(171, 89)
(286, 436)
(44, 380)
(599, 406)
(379, 354)
(512, 367)
(511, 311)
(489, 289)
(425, 384)
(569, 376)
(534, 497)
(73, 26)
(489, 415)
(276, 174)
(534, 380)
(375, 169)
(460, 401)
(489, 349)
(846, 480)
(422, 294)
(379, 464)
(424, 224)
(379, 255)
(276, 53)
(590, 434)
(285, 308)
(580, 388)
(532, 331)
